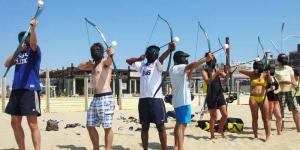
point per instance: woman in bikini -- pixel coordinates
(273, 89)
(258, 99)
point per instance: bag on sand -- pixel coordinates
(52, 125)
(204, 125)
(234, 125)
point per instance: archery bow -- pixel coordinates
(281, 38)
(170, 57)
(275, 46)
(208, 93)
(113, 44)
(17, 51)
(264, 51)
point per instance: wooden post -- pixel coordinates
(199, 86)
(194, 85)
(3, 93)
(229, 83)
(120, 93)
(129, 86)
(227, 51)
(73, 86)
(69, 87)
(134, 86)
(86, 93)
(238, 91)
(128, 81)
(47, 91)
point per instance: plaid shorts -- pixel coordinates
(101, 110)
(287, 98)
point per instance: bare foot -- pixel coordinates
(255, 136)
(267, 138)
(212, 137)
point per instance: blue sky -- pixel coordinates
(63, 39)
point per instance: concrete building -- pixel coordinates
(69, 81)
(294, 58)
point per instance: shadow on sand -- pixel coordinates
(156, 146)
(73, 147)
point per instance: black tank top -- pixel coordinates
(271, 95)
(216, 88)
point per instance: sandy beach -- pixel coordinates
(124, 139)
(60, 58)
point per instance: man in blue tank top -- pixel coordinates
(24, 99)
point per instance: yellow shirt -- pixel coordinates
(284, 74)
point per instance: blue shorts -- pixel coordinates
(152, 110)
(183, 114)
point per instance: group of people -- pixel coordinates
(271, 90)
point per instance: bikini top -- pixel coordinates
(258, 82)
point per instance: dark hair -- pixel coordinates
(271, 68)
(152, 53)
(177, 57)
(258, 65)
(283, 59)
(21, 35)
(97, 51)
(212, 62)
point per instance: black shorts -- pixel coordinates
(23, 103)
(152, 110)
(214, 104)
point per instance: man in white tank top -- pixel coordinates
(151, 105)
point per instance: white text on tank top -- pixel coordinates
(151, 78)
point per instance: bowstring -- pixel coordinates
(197, 43)
(257, 50)
(88, 34)
(151, 34)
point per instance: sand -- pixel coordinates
(195, 138)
